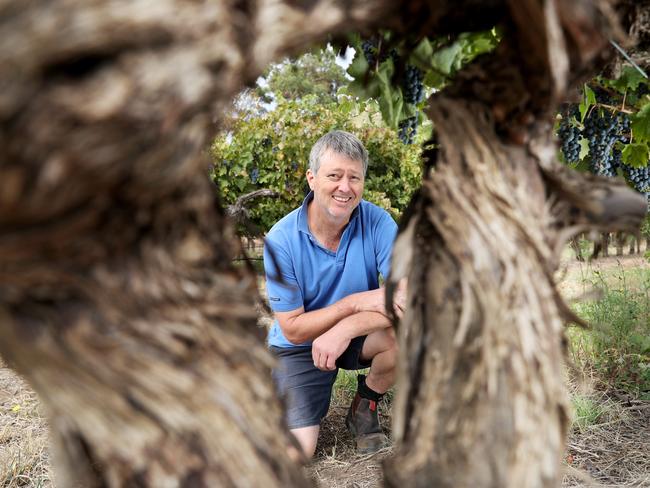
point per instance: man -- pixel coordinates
(322, 262)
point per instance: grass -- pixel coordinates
(345, 387)
(591, 409)
(615, 352)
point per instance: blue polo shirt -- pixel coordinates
(314, 276)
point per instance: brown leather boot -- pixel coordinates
(363, 421)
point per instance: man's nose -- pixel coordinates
(344, 184)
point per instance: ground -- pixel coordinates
(612, 450)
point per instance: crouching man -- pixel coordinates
(322, 263)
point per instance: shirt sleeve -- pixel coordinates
(385, 233)
(282, 288)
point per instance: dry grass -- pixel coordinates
(336, 464)
(612, 453)
(24, 457)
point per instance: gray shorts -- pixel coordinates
(307, 390)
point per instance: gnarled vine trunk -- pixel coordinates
(483, 329)
(481, 398)
(118, 301)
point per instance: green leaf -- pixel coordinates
(629, 79)
(588, 100)
(385, 73)
(641, 124)
(359, 66)
(584, 148)
(408, 110)
(364, 90)
(422, 54)
(444, 58)
(390, 104)
(435, 80)
(636, 155)
(582, 166)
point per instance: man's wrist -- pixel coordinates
(348, 306)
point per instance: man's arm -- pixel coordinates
(299, 326)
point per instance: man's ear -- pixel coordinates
(310, 179)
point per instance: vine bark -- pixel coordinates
(118, 300)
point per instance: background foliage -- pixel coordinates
(272, 151)
(314, 73)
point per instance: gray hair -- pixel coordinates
(340, 142)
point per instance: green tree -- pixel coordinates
(313, 73)
(272, 152)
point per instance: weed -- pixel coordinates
(589, 410)
(617, 347)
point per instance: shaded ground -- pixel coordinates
(611, 453)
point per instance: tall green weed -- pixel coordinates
(617, 347)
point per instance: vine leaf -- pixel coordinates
(422, 54)
(390, 101)
(435, 79)
(358, 67)
(390, 105)
(641, 124)
(629, 80)
(443, 59)
(635, 155)
(584, 148)
(588, 100)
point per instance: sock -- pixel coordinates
(365, 392)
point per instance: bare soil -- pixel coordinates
(615, 452)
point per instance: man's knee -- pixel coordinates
(388, 340)
(383, 342)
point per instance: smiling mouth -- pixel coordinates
(341, 199)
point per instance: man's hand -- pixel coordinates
(399, 298)
(375, 300)
(327, 348)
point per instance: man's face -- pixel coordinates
(338, 185)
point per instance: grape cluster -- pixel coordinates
(369, 48)
(407, 129)
(413, 87)
(254, 174)
(602, 132)
(602, 95)
(570, 138)
(639, 177)
(374, 53)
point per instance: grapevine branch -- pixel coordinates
(239, 210)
